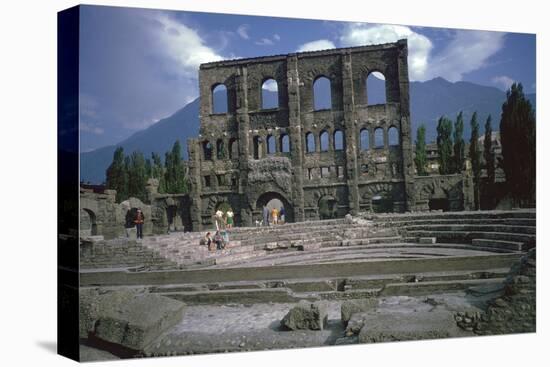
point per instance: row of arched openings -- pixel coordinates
(271, 146)
(375, 87)
(220, 150)
(337, 141)
(365, 143)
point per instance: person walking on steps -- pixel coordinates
(139, 220)
(266, 216)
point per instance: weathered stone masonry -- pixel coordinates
(231, 162)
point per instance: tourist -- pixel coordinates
(275, 215)
(266, 216)
(229, 218)
(282, 214)
(225, 237)
(138, 220)
(218, 240)
(218, 218)
(207, 240)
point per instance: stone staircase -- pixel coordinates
(268, 244)
(95, 253)
(493, 230)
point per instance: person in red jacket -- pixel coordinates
(138, 220)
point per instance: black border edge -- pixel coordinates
(68, 177)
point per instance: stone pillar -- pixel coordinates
(295, 134)
(195, 181)
(405, 124)
(350, 134)
(243, 123)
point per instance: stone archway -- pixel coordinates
(328, 208)
(88, 222)
(271, 198)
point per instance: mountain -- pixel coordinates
(429, 101)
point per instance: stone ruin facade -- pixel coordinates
(249, 155)
(101, 215)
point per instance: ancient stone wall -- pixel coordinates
(333, 169)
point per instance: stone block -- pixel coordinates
(351, 307)
(306, 315)
(131, 233)
(380, 327)
(427, 240)
(128, 318)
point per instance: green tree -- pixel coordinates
(488, 154)
(137, 176)
(175, 179)
(517, 135)
(445, 145)
(117, 175)
(420, 151)
(458, 146)
(157, 171)
(475, 157)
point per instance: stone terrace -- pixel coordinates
(333, 259)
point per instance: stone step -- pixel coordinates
(421, 221)
(370, 282)
(510, 245)
(241, 296)
(472, 228)
(314, 271)
(486, 214)
(431, 287)
(234, 258)
(467, 237)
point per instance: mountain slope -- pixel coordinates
(429, 101)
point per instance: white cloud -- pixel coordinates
(420, 46)
(276, 37)
(322, 44)
(466, 52)
(264, 42)
(503, 81)
(243, 31)
(183, 45)
(270, 85)
(84, 126)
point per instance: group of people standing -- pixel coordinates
(223, 222)
(273, 216)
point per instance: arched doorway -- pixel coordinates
(88, 225)
(382, 203)
(274, 200)
(328, 208)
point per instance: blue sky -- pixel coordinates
(141, 65)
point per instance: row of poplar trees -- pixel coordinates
(517, 136)
(128, 175)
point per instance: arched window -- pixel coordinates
(322, 99)
(233, 148)
(207, 150)
(310, 143)
(270, 94)
(284, 143)
(270, 144)
(338, 140)
(376, 88)
(220, 151)
(219, 99)
(379, 138)
(393, 136)
(257, 147)
(323, 140)
(364, 139)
